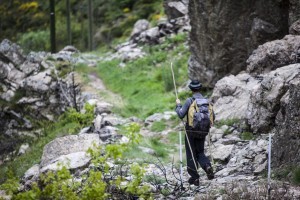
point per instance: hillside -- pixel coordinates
(101, 124)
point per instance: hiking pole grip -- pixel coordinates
(174, 80)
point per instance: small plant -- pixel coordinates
(296, 176)
(11, 185)
(228, 122)
(158, 126)
(247, 136)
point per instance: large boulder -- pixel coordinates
(265, 99)
(274, 54)
(59, 149)
(224, 33)
(231, 96)
(286, 144)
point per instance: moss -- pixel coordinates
(247, 136)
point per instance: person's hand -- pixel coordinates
(177, 101)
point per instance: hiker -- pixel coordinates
(196, 144)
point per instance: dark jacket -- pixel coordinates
(183, 110)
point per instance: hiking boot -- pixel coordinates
(193, 181)
(209, 172)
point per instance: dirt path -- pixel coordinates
(94, 86)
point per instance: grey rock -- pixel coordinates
(67, 145)
(295, 28)
(151, 35)
(261, 29)
(103, 107)
(231, 96)
(139, 26)
(274, 54)
(175, 9)
(69, 48)
(221, 40)
(85, 130)
(71, 161)
(286, 141)
(294, 11)
(39, 82)
(11, 53)
(23, 148)
(222, 152)
(260, 168)
(159, 116)
(32, 172)
(265, 99)
(29, 67)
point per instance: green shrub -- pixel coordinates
(11, 185)
(35, 41)
(247, 136)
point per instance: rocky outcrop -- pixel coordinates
(287, 135)
(265, 99)
(176, 8)
(274, 54)
(294, 11)
(295, 28)
(231, 96)
(32, 87)
(224, 33)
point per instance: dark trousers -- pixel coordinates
(197, 147)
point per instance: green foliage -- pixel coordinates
(62, 185)
(247, 136)
(37, 41)
(83, 119)
(11, 185)
(296, 176)
(95, 187)
(133, 186)
(228, 122)
(159, 147)
(158, 126)
(132, 132)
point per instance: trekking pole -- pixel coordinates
(182, 120)
(180, 150)
(269, 167)
(174, 81)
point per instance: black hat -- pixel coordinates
(195, 85)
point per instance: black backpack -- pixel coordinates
(200, 117)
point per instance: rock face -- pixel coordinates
(231, 96)
(274, 54)
(30, 87)
(265, 99)
(295, 28)
(287, 136)
(224, 33)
